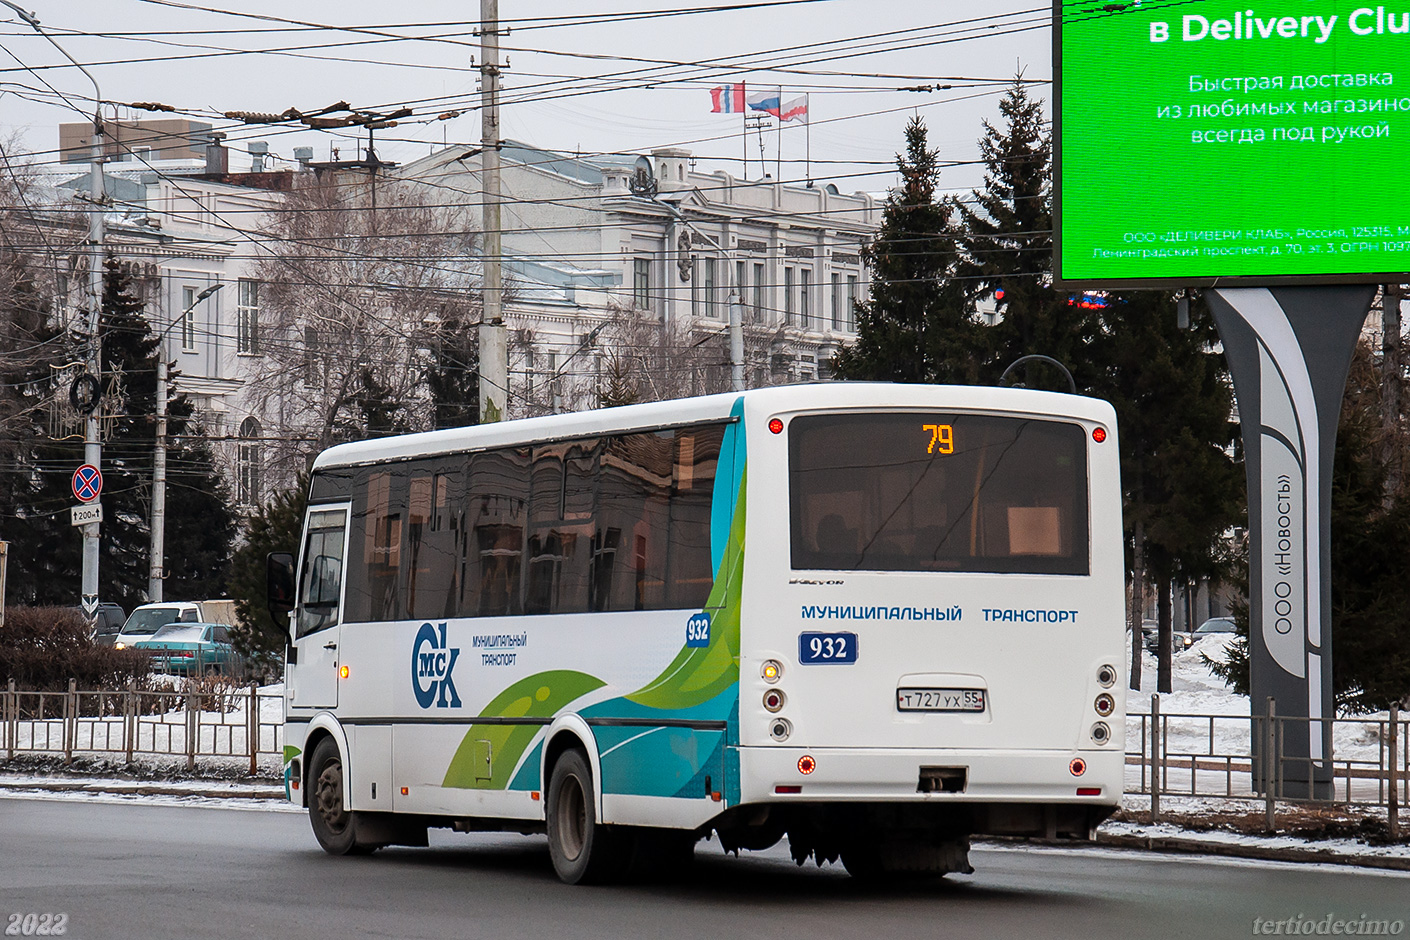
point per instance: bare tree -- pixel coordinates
(358, 296)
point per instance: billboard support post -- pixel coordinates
(1289, 350)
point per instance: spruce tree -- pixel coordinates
(45, 553)
(199, 528)
(1174, 408)
(453, 378)
(1006, 240)
(275, 527)
(914, 327)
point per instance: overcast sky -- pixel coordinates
(564, 89)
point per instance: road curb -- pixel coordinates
(1177, 845)
(138, 788)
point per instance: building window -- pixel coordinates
(247, 464)
(188, 322)
(708, 288)
(837, 301)
(313, 352)
(788, 296)
(741, 275)
(641, 283)
(695, 310)
(848, 322)
(804, 278)
(247, 318)
(758, 292)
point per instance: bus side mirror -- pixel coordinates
(279, 587)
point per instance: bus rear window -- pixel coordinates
(920, 491)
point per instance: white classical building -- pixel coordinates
(587, 238)
(179, 227)
(588, 241)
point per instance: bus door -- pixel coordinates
(317, 623)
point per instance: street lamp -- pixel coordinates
(155, 568)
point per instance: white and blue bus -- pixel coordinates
(873, 619)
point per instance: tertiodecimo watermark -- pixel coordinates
(1329, 926)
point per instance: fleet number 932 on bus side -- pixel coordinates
(873, 619)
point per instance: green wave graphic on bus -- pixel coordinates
(698, 674)
(500, 746)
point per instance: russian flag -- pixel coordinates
(727, 99)
(766, 101)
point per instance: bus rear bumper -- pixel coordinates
(939, 775)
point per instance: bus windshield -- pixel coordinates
(917, 491)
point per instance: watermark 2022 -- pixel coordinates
(1329, 925)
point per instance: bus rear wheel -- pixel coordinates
(333, 826)
(583, 850)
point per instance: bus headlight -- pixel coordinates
(771, 670)
(1106, 676)
(1101, 733)
(780, 729)
(774, 699)
(1104, 705)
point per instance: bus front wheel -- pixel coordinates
(583, 850)
(333, 825)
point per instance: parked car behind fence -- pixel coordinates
(192, 649)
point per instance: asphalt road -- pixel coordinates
(140, 871)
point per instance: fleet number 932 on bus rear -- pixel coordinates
(873, 620)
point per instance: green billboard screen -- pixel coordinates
(1254, 142)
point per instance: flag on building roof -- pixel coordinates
(795, 109)
(766, 101)
(727, 99)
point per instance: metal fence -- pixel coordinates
(1212, 756)
(205, 719)
(1168, 753)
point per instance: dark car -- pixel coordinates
(107, 623)
(1215, 625)
(1150, 638)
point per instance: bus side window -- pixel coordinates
(379, 506)
(634, 499)
(498, 499)
(432, 559)
(689, 575)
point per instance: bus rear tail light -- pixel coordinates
(806, 764)
(1099, 435)
(1104, 705)
(1089, 791)
(774, 699)
(1078, 767)
(780, 729)
(1107, 676)
(1101, 732)
(788, 788)
(771, 670)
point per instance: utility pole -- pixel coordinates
(494, 353)
(92, 447)
(156, 570)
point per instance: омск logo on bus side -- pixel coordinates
(432, 662)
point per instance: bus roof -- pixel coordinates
(708, 408)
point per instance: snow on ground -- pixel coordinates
(1206, 733)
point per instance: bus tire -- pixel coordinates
(333, 826)
(583, 850)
